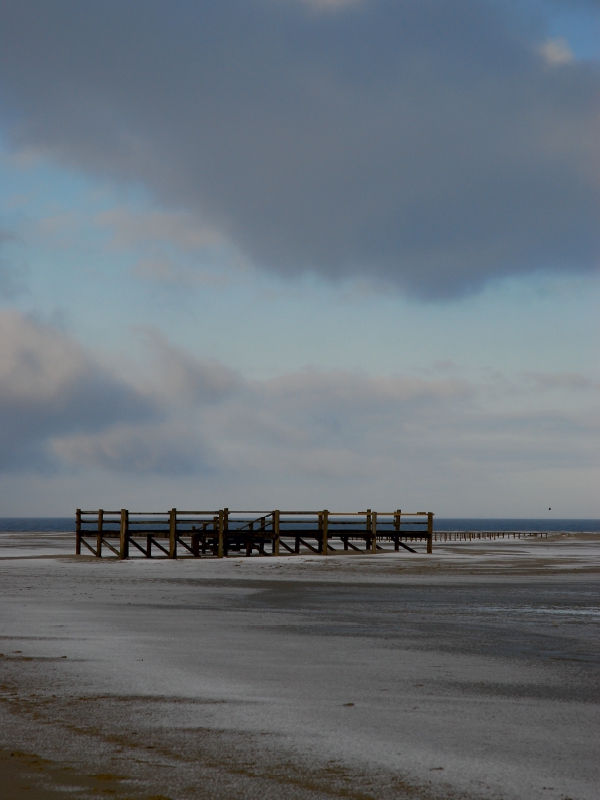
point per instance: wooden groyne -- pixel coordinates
(471, 536)
(221, 533)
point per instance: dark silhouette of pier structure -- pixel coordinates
(216, 534)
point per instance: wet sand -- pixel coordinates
(472, 673)
(24, 776)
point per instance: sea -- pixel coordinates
(472, 524)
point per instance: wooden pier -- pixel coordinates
(216, 534)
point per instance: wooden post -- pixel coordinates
(220, 534)
(77, 531)
(249, 539)
(319, 544)
(173, 533)
(368, 542)
(325, 531)
(374, 532)
(397, 519)
(276, 533)
(430, 533)
(320, 533)
(225, 548)
(99, 536)
(124, 534)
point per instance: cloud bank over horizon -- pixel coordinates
(179, 416)
(430, 146)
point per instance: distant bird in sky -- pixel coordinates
(549, 509)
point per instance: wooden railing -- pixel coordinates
(220, 533)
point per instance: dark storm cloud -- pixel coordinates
(49, 387)
(426, 143)
(59, 406)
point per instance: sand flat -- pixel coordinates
(471, 673)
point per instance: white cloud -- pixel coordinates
(560, 380)
(130, 229)
(36, 362)
(185, 380)
(557, 51)
(187, 415)
(160, 449)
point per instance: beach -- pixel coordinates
(469, 673)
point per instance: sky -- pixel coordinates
(300, 254)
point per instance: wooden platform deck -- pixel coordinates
(216, 534)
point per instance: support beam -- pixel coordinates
(325, 531)
(110, 547)
(430, 533)
(159, 545)
(184, 544)
(78, 531)
(173, 533)
(397, 520)
(353, 546)
(124, 534)
(374, 532)
(220, 534)
(276, 533)
(99, 536)
(306, 544)
(138, 545)
(89, 546)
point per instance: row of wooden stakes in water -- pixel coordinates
(469, 536)
(219, 533)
